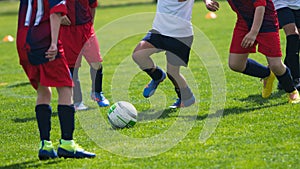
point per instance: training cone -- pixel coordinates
(8, 38)
(210, 15)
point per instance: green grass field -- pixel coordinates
(231, 126)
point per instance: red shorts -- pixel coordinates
(52, 74)
(21, 45)
(268, 43)
(80, 40)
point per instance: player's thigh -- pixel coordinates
(150, 44)
(64, 95)
(144, 49)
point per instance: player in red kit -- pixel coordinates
(77, 26)
(257, 25)
(42, 58)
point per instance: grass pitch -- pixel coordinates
(231, 126)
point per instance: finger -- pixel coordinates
(244, 44)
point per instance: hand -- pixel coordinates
(212, 5)
(249, 40)
(65, 20)
(52, 52)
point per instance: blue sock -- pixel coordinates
(256, 69)
(66, 119)
(43, 116)
(286, 81)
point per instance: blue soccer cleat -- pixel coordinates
(100, 99)
(183, 103)
(46, 150)
(69, 149)
(149, 90)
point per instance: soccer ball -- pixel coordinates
(122, 114)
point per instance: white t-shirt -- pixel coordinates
(293, 4)
(173, 18)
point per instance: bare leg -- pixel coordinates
(141, 55)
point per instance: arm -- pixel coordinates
(211, 5)
(55, 20)
(249, 39)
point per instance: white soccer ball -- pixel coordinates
(122, 114)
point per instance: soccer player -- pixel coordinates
(77, 26)
(42, 58)
(289, 19)
(257, 24)
(171, 32)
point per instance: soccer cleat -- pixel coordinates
(100, 99)
(80, 106)
(46, 150)
(183, 103)
(268, 85)
(294, 97)
(151, 87)
(69, 149)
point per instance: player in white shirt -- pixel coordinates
(171, 32)
(289, 19)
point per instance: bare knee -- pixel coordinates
(96, 65)
(237, 62)
(277, 67)
(236, 67)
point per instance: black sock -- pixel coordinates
(67, 121)
(154, 73)
(98, 80)
(292, 55)
(184, 93)
(256, 69)
(286, 81)
(43, 116)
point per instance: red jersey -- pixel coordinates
(79, 11)
(245, 12)
(34, 18)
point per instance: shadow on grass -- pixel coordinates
(19, 85)
(160, 114)
(256, 99)
(27, 119)
(31, 164)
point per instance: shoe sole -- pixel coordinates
(66, 154)
(44, 156)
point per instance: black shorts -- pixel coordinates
(177, 49)
(287, 15)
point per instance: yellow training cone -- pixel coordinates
(210, 15)
(8, 38)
